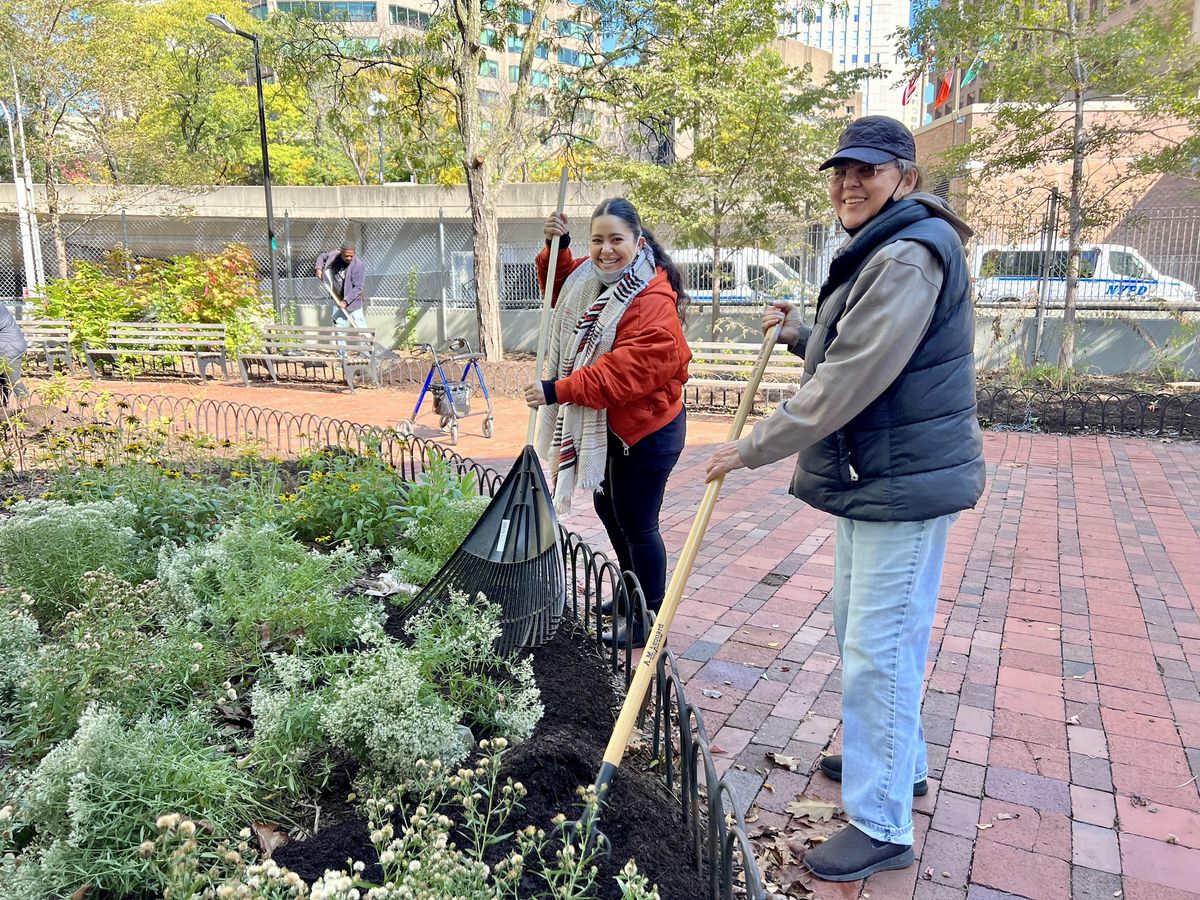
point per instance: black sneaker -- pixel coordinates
(851, 855)
(832, 766)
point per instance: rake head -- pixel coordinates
(513, 556)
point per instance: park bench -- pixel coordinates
(350, 350)
(202, 343)
(721, 370)
(50, 339)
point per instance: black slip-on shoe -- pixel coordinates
(851, 855)
(618, 632)
(832, 766)
(612, 607)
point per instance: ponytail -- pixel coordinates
(674, 276)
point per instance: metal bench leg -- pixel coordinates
(224, 363)
(245, 373)
(271, 368)
(91, 365)
(348, 374)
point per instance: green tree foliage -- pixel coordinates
(1092, 88)
(727, 138)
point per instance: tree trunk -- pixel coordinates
(1066, 354)
(56, 232)
(485, 231)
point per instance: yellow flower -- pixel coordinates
(355, 486)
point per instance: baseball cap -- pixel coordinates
(874, 140)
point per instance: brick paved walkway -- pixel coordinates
(1063, 666)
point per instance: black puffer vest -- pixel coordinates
(916, 452)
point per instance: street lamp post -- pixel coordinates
(378, 111)
(223, 24)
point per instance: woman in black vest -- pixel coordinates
(888, 442)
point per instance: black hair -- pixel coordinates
(624, 210)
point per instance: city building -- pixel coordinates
(569, 44)
(858, 33)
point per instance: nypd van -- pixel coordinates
(748, 277)
(1108, 273)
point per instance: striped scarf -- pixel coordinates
(574, 439)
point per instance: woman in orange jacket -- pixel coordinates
(614, 421)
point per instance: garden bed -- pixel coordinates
(640, 817)
(210, 657)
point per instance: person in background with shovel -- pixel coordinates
(343, 275)
(889, 444)
(615, 422)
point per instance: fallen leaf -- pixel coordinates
(791, 763)
(929, 874)
(773, 644)
(806, 807)
(945, 874)
(710, 693)
(269, 837)
(1074, 720)
(717, 750)
(1171, 839)
(767, 786)
(1004, 817)
(82, 891)
(983, 826)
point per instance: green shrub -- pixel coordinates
(263, 586)
(122, 646)
(93, 297)
(96, 797)
(47, 546)
(440, 509)
(345, 498)
(172, 507)
(198, 287)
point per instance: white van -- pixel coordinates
(748, 277)
(1108, 273)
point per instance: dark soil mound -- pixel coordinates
(640, 818)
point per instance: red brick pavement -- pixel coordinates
(1062, 671)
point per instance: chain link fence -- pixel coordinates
(1140, 273)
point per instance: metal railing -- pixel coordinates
(714, 825)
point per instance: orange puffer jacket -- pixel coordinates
(640, 380)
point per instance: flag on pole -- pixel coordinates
(909, 91)
(973, 71)
(943, 93)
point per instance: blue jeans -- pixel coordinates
(356, 318)
(886, 577)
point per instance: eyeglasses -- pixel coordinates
(838, 174)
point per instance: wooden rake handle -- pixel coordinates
(657, 638)
(547, 299)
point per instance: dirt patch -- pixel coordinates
(641, 819)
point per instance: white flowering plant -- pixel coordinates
(114, 648)
(415, 828)
(46, 546)
(93, 800)
(455, 643)
(383, 713)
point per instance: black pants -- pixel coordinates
(629, 501)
